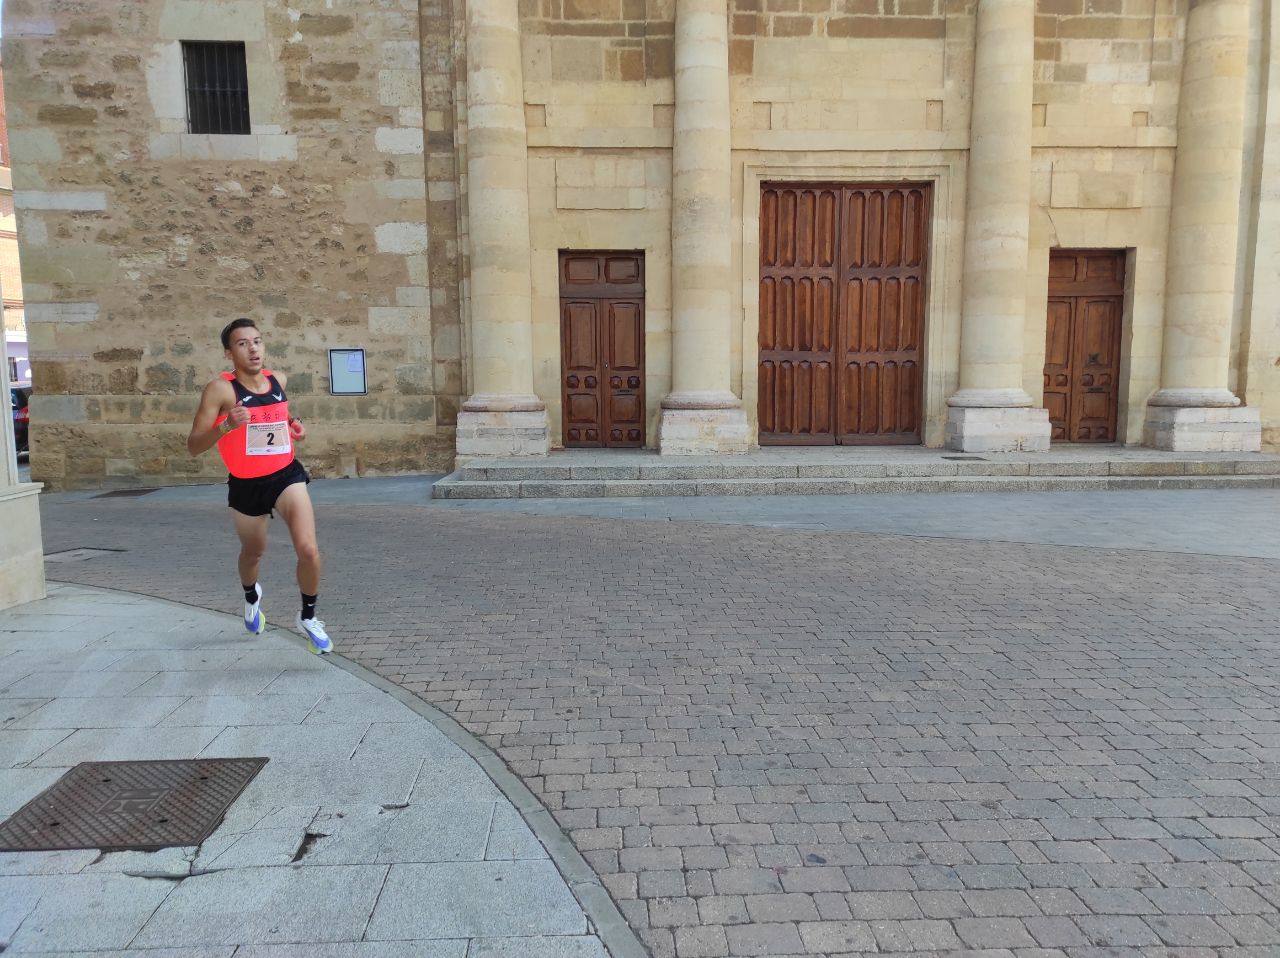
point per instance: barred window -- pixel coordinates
(217, 87)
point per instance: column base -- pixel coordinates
(695, 424)
(491, 426)
(997, 429)
(21, 549)
(1203, 429)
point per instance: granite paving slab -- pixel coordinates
(264, 905)
(301, 858)
(455, 900)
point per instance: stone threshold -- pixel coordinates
(850, 471)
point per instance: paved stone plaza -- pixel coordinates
(369, 833)
(820, 741)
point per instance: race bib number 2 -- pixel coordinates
(266, 438)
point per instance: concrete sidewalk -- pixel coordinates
(371, 831)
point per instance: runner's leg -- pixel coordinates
(252, 531)
(294, 506)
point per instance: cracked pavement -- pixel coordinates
(815, 741)
(367, 830)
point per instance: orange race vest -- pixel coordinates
(263, 445)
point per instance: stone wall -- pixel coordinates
(141, 240)
(342, 219)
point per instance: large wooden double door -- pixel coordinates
(1082, 349)
(842, 290)
(602, 348)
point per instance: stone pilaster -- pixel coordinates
(502, 417)
(1194, 410)
(21, 549)
(991, 412)
(701, 415)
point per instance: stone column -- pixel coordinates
(502, 417)
(1194, 410)
(991, 412)
(701, 415)
(21, 549)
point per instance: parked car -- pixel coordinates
(20, 397)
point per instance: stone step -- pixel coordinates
(660, 470)
(453, 487)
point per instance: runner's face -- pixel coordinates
(246, 350)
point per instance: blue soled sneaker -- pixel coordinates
(313, 629)
(253, 618)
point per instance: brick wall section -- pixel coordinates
(140, 241)
(609, 40)
(869, 19)
(1125, 52)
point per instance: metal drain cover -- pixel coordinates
(966, 458)
(130, 806)
(124, 493)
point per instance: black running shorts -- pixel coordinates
(257, 497)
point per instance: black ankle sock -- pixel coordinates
(308, 606)
(251, 593)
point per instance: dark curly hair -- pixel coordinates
(232, 326)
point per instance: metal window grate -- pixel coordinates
(217, 87)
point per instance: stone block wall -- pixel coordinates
(878, 90)
(341, 220)
(140, 240)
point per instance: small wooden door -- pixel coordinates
(1082, 349)
(602, 348)
(842, 273)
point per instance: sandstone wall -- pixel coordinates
(141, 240)
(342, 219)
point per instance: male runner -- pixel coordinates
(246, 414)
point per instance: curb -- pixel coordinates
(605, 919)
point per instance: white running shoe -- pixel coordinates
(253, 619)
(313, 629)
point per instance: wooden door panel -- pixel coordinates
(883, 272)
(626, 336)
(911, 326)
(795, 401)
(1057, 367)
(891, 314)
(580, 270)
(583, 410)
(602, 348)
(841, 313)
(581, 359)
(854, 295)
(1082, 347)
(1096, 366)
(1098, 332)
(582, 350)
(622, 270)
(799, 304)
(914, 229)
(624, 372)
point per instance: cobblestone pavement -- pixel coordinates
(781, 742)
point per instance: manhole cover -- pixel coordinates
(78, 555)
(124, 493)
(130, 806)
(966, 458)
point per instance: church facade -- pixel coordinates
(696, 226)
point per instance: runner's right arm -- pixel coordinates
(217, 396)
